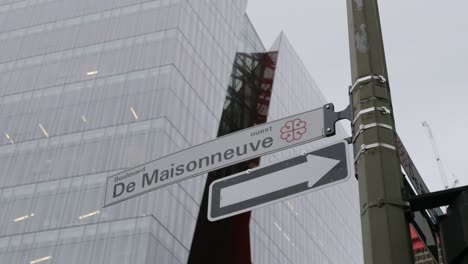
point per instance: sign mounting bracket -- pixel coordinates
(330, 117)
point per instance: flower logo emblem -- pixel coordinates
(293, 130)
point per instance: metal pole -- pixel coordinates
(384, 223)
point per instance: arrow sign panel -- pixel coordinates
(265, 185)
(215, 154)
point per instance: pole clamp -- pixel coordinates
(365, 148)
(382, 202)
(367, 79)
(363, 128)
(384, 110)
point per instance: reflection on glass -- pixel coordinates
(21, 218)
(134, 113)
(91, 73)
(83, 118)
(9, 138)
(292, 208)
(43, 130)
(277, 226)
(88, 214)
(40, 260)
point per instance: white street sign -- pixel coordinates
(265, 185)
(215, 154)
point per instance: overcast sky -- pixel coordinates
(426, 45)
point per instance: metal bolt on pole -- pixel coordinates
(384, 223)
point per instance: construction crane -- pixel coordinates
(437, 157)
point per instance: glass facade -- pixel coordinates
(319, 227)
(91, 88)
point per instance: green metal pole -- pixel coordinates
(384, 223)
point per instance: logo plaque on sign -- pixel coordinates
(293, 130)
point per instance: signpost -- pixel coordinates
(221, 152)
(262, 186)
(384, 222)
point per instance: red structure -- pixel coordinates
(420, 251)
(227, 241)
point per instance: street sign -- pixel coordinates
(416, 180)
(215, 154)
(266, 185)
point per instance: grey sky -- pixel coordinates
(426, 44)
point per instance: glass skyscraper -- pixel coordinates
(91, 88)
